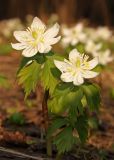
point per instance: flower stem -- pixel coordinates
(49, 147)
(46, 121)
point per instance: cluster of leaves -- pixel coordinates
(38, 68)
(67, 104)
(71, 127)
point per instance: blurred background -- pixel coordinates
(69, 11)
(87, 25)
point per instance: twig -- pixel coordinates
(19, 154)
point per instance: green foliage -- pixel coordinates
(64, 99)
(64, 132)
(4, 82)
(40, 58)
(103, 154)
(92, 95)
(82, 127)
(80, 47)
(65, 140)
(59, 101)
(29, 76)
(98, 68)
(93, 122)
(17, 118)
(68, 99)
(48, 79)
(57, 123)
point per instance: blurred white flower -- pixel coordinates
(91, 46)
(91, 33)
(8, 26)
(73, 35)
(103, 33)
(104, 56)
(36, 38)
(99, 33)
(76, 68)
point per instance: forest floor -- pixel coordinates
(23, 142)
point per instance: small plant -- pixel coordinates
(65, 82)
(17, 118)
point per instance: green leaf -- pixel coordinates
(40, 58)
(17, 118)
(57, 123)
(29, 76)
(80, 47)
(74, 112)
(99, 68)
(82, 127)
(92, 95)
(56, 103)
(65, 95)
(48, 79)
(65, 140)
(93, 122)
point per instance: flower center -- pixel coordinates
(34, 34)
(78, 63)
(38, 37)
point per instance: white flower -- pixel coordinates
(76, 68)
(103, 33)
(36, 38)
(100, 33)
(8, 26)
(91, 46)
(104, 56)
(91, 33)
(73, 35)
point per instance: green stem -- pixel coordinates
(59, 157)
(49, 147)
(46, 122)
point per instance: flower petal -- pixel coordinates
(18, 46)
(62, 66)
(37, 24)
(52, 41)
(41, 47)
(67, 77)
(89, 74)
(29, 52)
(78, 79)
(47, 49)
(73, 55)
(22, 36)
(52, 32)
(93, 63)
